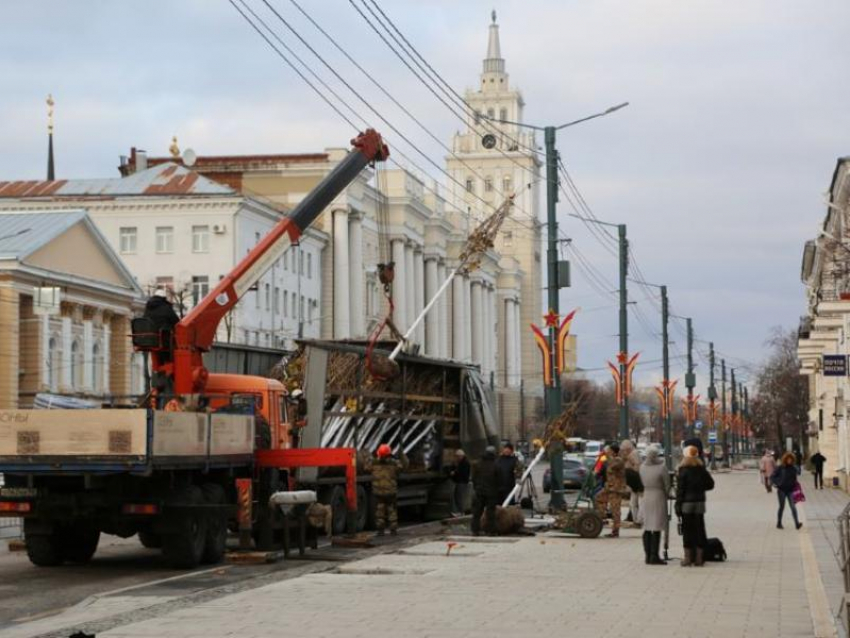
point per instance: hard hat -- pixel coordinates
(296, 393)
(384, 450)
(160, 292)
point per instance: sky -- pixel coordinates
(738, 112)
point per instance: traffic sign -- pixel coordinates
(712, 436)
(698, 425)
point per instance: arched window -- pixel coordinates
(470, 185)
(52, 364)
(96, 368)
(76, 365)
(503, 114)
(491, 113)
(488, 184)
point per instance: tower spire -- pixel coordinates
(51, 174)
(494, 63)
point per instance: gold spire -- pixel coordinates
(174, 149)
(50, 104)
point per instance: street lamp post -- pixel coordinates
(553, 286)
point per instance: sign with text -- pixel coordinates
(835, 365)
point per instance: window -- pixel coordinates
(491, 113)
(301, 309)
(470, 185)
(276, 304)
(506, 185)
(310, 307)
(309, 266)
(488, 184)
(268, 296)
(286, 259)
(127, 240)
(52, 364)
(200, 288)
(257, 241)
(95, 368)
(165, 239)
(300, 262)
(200, 239)
(503, 114)
(76, 365)
(477, 116)
(285, 303)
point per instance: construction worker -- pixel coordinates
(485, 481)
(385, 470)
(615, 488)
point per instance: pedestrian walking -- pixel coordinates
(385, 470)
(460, 475)
(798, 459)
(785, 481)
(509, 471)
(656, 485)
(693, 482)
(818, 460)
(615, 489)
(767, 464)
(485, 481)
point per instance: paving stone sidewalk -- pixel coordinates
(771, 586)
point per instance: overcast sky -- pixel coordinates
(719, 166)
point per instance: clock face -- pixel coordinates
(488, 141)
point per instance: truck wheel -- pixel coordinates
(43, 550)
(362, 508)
(184, 550)
(216, 540)
(338, 506)
(79, 543)
(150, 540)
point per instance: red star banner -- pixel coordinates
(551, 319)
(563, 333)
(618, 385)
(662, 400)
(543, 343)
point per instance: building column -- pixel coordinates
(106, 356)
(517, 343)
(409, 289)
(492, 341)
(443, 313)
(88, 354)
(398, 292)
(10, 322)
(356, 274)
(467, 323)
(432, 320)
(477, 316)
(419, 293)
(458, 316)
(342, 306)
(510, 343)
(65, 380)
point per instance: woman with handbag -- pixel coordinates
(692, 483)
(784, 479)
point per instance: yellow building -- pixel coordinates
(66, 300)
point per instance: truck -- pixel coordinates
(202, 455)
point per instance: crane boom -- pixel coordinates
(195, 333)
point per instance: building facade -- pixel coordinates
(64, 319)
(824, 329)
(181, 232)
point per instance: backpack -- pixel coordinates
(714, 550)
(634, 481)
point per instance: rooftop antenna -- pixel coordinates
(51, 173)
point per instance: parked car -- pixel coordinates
(574, 474)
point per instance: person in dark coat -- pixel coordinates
(509, 470)
(818, 460)
(693, 482)
(460, 479)
(485, 481)
(785, 480)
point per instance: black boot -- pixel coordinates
(647, 548)
(655, 548)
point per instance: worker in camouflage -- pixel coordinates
(385, 470)
(615, 488)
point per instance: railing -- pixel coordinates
(843, 521)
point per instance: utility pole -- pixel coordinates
(624, 329)
(690, 377)
(665, 355)
(553, 392)
(723, 412)
(734, 413)
(712, 396)
(741, 438)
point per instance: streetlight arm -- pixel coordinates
(593, 221)
(590, 117)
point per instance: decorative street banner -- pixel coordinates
(835, 365)
(562, 332)
(623, 382)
